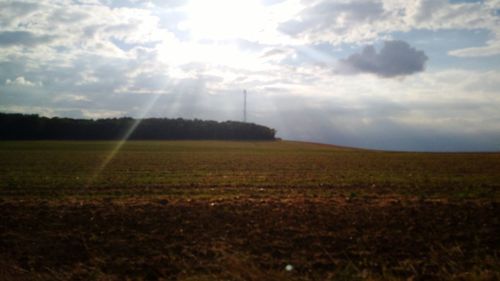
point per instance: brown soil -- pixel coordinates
(249, 239)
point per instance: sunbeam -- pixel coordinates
(123, 139)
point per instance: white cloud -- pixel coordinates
(486, 51)
(12, 13)
(338, 21)
(364, 21)
(60, 31)
(21, 81)
(491, 48)
(71, 98)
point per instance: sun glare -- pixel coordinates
(227, 33)
(224, 19)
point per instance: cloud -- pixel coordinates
(329, 20)
(396, 58)
(492, 49)
(11, 12)
(21, 81)
(365, 21)
(11, 38)
(60, 32)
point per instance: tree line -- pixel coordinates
(15, 126)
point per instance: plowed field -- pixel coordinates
(245, 211)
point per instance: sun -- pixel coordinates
(228, 33)
(225, 19)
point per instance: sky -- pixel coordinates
(420, 75)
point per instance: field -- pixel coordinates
(245, 211)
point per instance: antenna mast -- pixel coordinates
(245, 106)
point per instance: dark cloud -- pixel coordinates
(396, 58)
(12, 38)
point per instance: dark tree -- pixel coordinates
(34, 127)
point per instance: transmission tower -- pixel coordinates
(245, 106)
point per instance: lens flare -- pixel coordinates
(111, 155)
